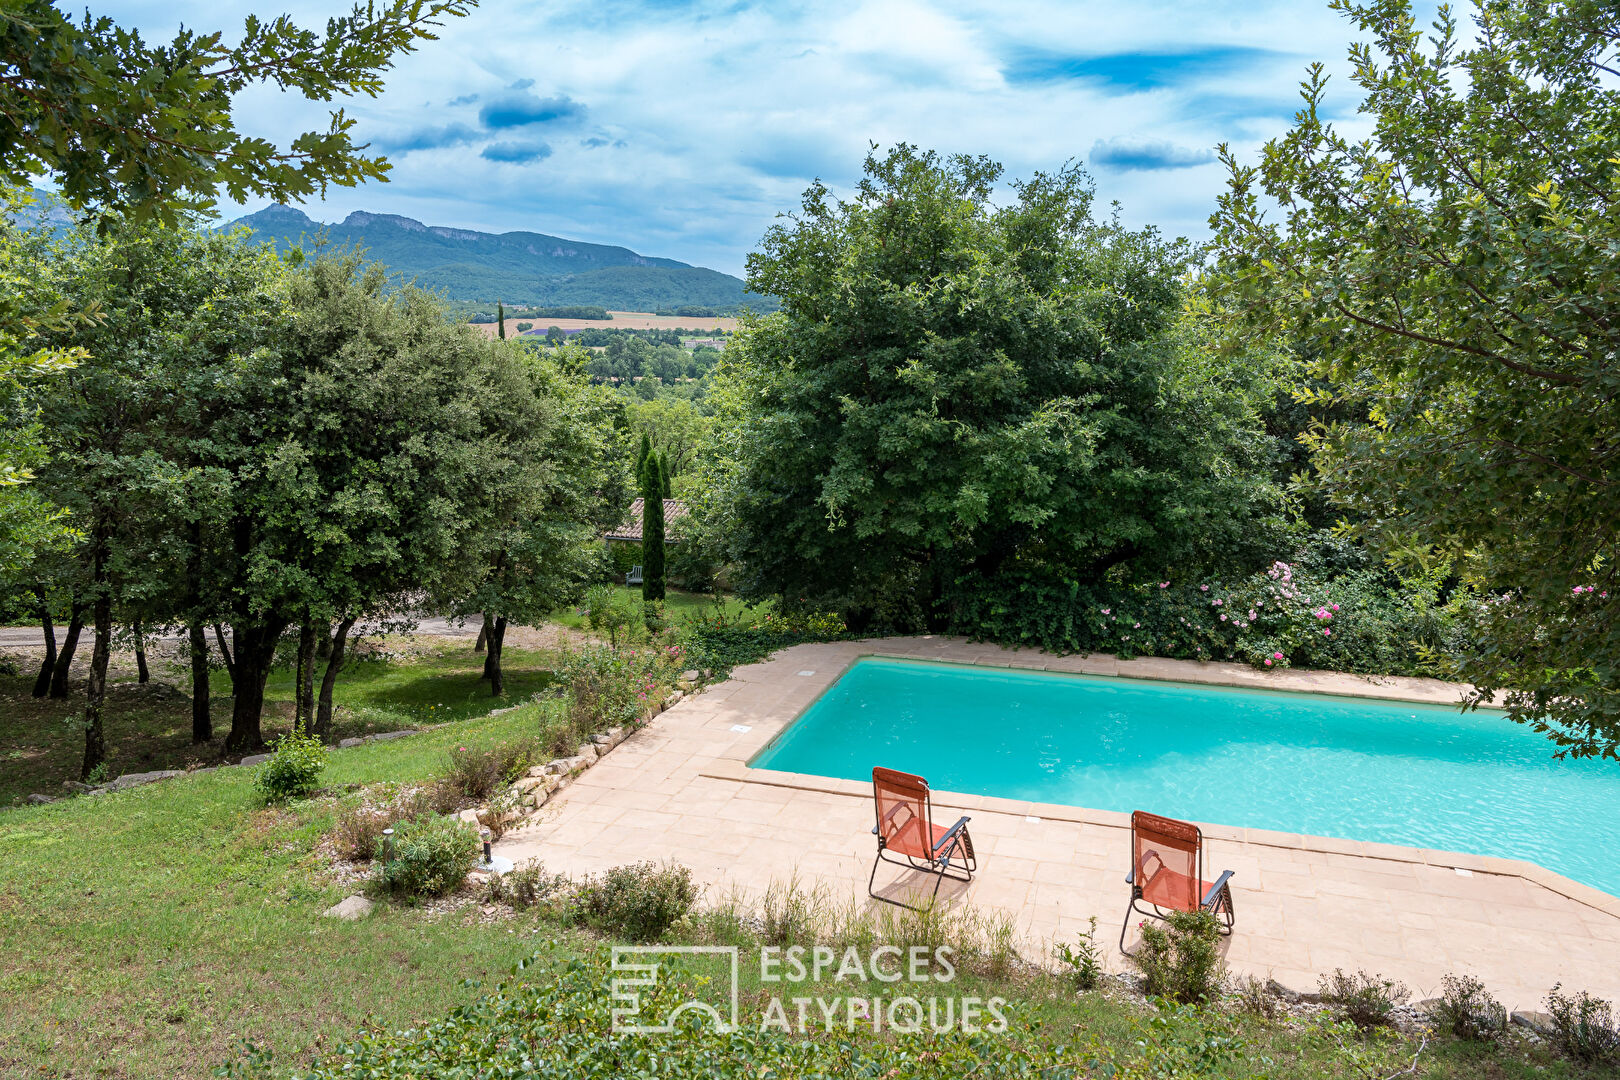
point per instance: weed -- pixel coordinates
(1584, 1027)
(1082, 962)
(1367, 1001)
(1181, 959)
(1468, 1011)
(295, 768)
(640, 902)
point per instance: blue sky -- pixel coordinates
(681, 129)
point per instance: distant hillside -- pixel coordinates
(517, 267)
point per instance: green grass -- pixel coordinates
(676, 603)
(149, 727)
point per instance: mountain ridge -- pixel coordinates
(518, 267)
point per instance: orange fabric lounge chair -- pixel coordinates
(907, 836)
(1167, 873)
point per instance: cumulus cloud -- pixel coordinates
(464, 99)
(1128, 153)
(515, 153)
(729, 109)
(523, 109)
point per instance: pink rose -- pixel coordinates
(1277, 655)
(1268, 661)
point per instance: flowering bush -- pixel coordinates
(1287, 615)
(720, 642)
(609, 686)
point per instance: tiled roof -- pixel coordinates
(674, 510)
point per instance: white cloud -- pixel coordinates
(687, 128)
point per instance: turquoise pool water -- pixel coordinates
(1419, 775)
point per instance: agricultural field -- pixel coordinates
(622, 320)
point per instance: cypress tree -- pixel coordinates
(652, 531)
(642, 455)
(500, 319)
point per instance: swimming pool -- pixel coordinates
(1418, 775)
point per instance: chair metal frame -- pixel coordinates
(951, 855)
(1217, 898)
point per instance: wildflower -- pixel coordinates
(1164, 584)
(1107, 611)
(1216, 603)
(1277, 655)
(1223, 618)
(1327, 633)
(1268, 661)
(1203, 588)
(1335, 607)
(1253, 616)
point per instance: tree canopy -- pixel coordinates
(955, 394)
(1453, 274)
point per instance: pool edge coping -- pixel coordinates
(736, 768)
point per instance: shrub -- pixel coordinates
(1584, 1028)
(1468, 1011)
(294, 770)
(609, 687)
(640, 902)
(477, 773)
(1181, 959)
(1082, 962)
(358, 830)
(431, 856)
(606, 610)
(1367, 1001)
(721, 642)
(1255, 997)
(527, 886)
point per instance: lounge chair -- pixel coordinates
(905, 828)
(1167, 873)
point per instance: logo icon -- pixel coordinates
(642, 965)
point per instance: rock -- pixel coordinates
(599, 741)
(562, 782)
(41, 800)
(344, 744)
(469, 816)
(78, 788)
(539, 770)
(1288, 994)
(674, 698)
(1429, 1006)
(586, 751)
(256, 759)
(616, 735)
(556, 766)
(1538, 1022)
(690, 676)
(387, 735)
(349, 909)
(129, 780)
(528, 783)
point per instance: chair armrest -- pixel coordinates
(1215, 889)
(874, 830)
(1130, 878)
(950, 834)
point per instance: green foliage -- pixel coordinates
(607, 610)
(610, 686)
(294, 770)
(477, 772)
(652, 528)
(429, 856)
(637, 903)
(1367, 1001)
(148, 129)
(719, 641)
(1584, 1027)
(962, 387)
(1181, 958)
(1082, 961)
(527, 886)
(1451, 276)
(1468, 1011)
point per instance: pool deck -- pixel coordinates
(679, 789)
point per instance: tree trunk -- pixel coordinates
(64, 658)
(255, 649)
(323, 641)
(491, 658)
(478, 646)
(95, 742)
(143, 675)
(43, 683)
(225, 653)
(202, 720)
(492, 661)
(304, 680)
(323, 711)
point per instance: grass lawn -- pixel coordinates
(676, 604)
(149, 727)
